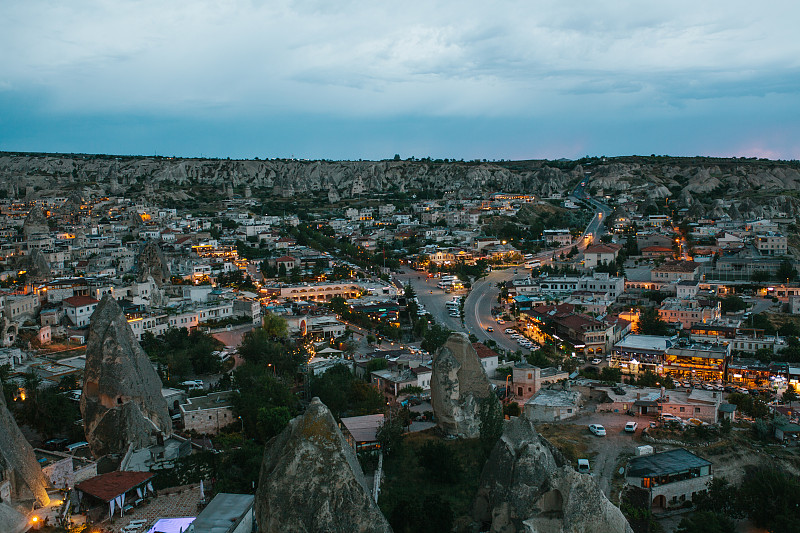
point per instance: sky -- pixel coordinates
(346, 79)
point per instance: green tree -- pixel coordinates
(706, 522)
(770, 497)
(439, 462)
(731, 304)
(491, 422)
(786, 271)
(611, 375)
(650, 323)
(390, 434)
(332, 388)
(435, 337)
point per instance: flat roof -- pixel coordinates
(363, 428)
(213, 400)
(223, 513)
(665, 463)
(645, 342)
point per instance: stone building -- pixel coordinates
(672, 478)
(208, 414)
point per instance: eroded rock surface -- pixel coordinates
(311, 481)
(458, 385)
(18, 462)
(151, 262)
(527, 486)
(121, 401)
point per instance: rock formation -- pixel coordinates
(121, 401)
(311, 481)
(151, 262)
(36, 265)
(17, 461)
(527, 486)
(35, 222)
(458, 385)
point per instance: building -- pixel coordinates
(361, 432)
(704, 362)
(489, 358)
(693, 403)
(671, 477)
(600, 254)
(319, 292)
(550, 405)
(770, 243)
(64, 470)
(226, 513)
(560, 237)
(690, 311)
(675, 271)
(79, 309)
(391, 381)
(208, 414)
(640, 353)
(527, 379)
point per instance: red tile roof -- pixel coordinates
(483, 350)
(80, 301)
(108, 486)
(603, 249)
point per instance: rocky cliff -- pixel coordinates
(121, 401)
(527, 486)
(151, 262)
(22, 175)
(710, 186)
(311, 481)
(458, 386)
(18, 462)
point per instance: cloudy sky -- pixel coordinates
(367, 79)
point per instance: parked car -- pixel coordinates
(666, 417)
(596, 361)
(598, 430)
(630, 427)
(510, 331)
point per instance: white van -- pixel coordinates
(583, 466)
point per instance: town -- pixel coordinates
(205, 360)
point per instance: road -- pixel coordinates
(483, 296)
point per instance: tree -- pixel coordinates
(706, 522)
(378, 363)
(272, 420)
(491, 422)
(650, 323)
(731, 304)
(435, 338)
(612, 375)
(332, 388)
(390, 434)
(786, 271)
(258, 389)
(770, 497)
(439, 462)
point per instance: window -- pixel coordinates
(682, 409)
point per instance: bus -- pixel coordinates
(534, 263)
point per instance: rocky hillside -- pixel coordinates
(22, 175)
(709, 186)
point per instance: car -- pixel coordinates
(631, 426)
(490, 328)
(510, 331)
(501, 321)
(666, 417)
(596, 361)
(598, 430)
